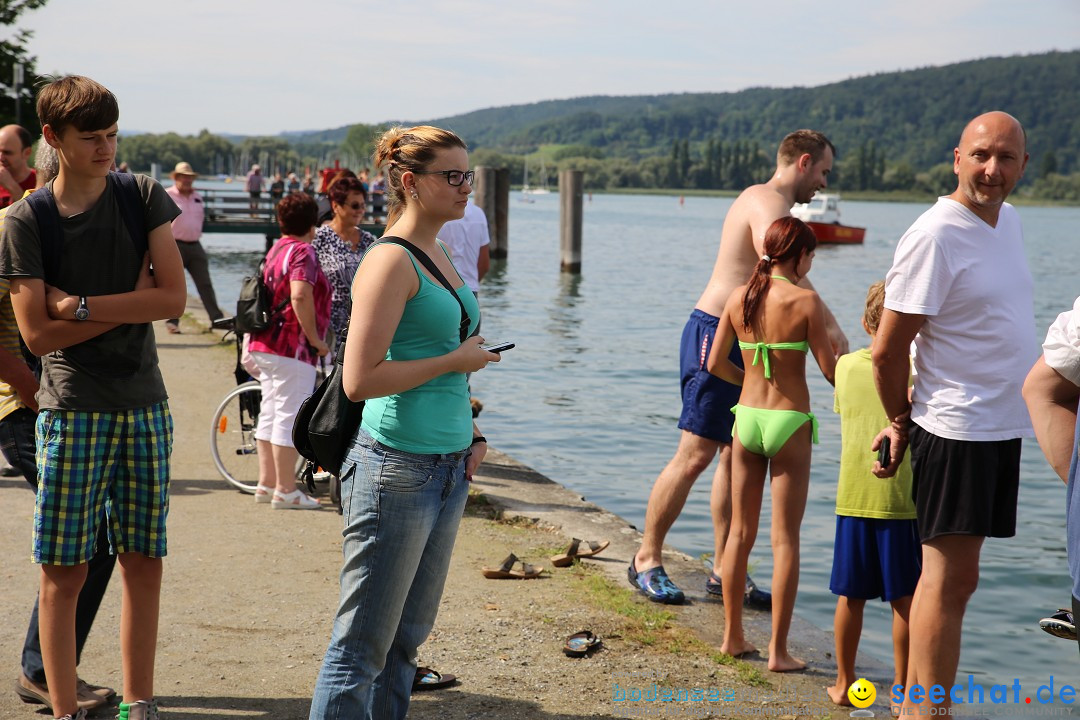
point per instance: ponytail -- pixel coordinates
(756, 288)
(786, 238)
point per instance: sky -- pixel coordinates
(260, 68)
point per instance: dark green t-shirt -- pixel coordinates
(117, 370)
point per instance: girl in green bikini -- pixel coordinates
(775, 324)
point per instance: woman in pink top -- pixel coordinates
(286, 352)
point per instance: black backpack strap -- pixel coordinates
(463, 329)
(43, 205)
(129, 199)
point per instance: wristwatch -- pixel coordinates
(82, 312)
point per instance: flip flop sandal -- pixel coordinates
(581, 644)
(575, 551)
(428, 679)
(506, 571)
(714, 586)
(1060, 625)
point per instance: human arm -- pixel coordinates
(719, 361)
(9, 183)
(837, 340)
(163, 300)
(383, 284)
(14, 372)
(302, 299)
(483, 262)
(41, 333)
(892, 368)
(820, 342)
(1051, 400)
(479, 449)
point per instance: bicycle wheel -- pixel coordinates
(232, 436)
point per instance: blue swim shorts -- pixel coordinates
(707, 400)
(874, 558)
(96, 467)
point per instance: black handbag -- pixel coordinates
(327, 420)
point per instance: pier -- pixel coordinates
(231, 211)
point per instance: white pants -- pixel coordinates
(285, 383)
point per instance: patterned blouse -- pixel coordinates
(339, 261)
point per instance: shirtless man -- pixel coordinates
(803, 163)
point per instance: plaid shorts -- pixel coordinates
(101, 465)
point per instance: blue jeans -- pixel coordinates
(401, 513)
(17, 444)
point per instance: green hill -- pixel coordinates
(894, 131)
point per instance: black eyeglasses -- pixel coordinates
(355, 206)
(453, 177)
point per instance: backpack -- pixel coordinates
(254, 306)
(43, 204)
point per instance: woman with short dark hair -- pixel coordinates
(340, 244)
(287, 351)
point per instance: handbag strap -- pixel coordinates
(463, 329)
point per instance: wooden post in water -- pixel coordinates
(484, 196)
(570, 184)
(501, 218)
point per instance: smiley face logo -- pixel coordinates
(862, 693)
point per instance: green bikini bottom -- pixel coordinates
(765, 432)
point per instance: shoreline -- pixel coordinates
(249, 596)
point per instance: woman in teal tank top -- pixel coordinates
(776, 324)
(404, 479)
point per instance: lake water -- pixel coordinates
(590, 396)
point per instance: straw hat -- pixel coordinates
(183, 168)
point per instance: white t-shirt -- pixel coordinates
(465, 237)
(1061, 351)
(978, 342)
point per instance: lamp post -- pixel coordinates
(17, 88)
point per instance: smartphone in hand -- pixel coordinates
(497, 347)
(884, 453)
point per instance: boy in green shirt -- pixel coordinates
(877, 551)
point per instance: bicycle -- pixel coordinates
(232, 431)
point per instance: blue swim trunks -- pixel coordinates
(707, 400)
(875, 558)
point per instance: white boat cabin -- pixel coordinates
(822, 208)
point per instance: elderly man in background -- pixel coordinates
(16, 175)
(960, 288)
(187, 229)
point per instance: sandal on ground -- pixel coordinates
(574, 551)
(1060, 625)
(296, 500)
(173, 328)
(581, 644)
(263, 494)
(506, 570)
(428, 679)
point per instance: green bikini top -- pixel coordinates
(761, 349)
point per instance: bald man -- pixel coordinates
(16, 175)
(960, 288)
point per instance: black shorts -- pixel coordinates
(963, 487)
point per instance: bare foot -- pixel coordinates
(737, 649)
(785, 663)
(838, 694)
